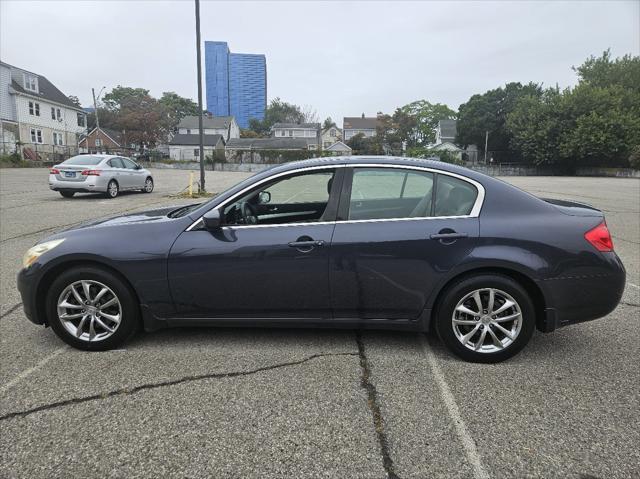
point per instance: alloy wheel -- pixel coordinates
(148, 185)
(89, 310)
(487, 320)
(113, 189)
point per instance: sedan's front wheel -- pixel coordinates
(92, 309)
(486, 318)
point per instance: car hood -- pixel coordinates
(133, 218)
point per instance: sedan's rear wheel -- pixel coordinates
(68, 194)
(112, 189)
(486, 318)
(148, 185)
(92, 309)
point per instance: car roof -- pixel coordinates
(379, 160)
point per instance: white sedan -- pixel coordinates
(107, 174)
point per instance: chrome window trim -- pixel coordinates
(475, 211)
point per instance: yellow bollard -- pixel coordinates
(190, 184)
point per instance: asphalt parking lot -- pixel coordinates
(312, 403)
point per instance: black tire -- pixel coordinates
(146, 189)
(456, 292)
(130, 316)
(112, 189)
(68, 194)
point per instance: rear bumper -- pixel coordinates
(580, 298)
(91, 183)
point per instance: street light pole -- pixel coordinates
(95, 108)
(200, 126)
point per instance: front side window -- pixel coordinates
(454, 197)
(301, 198)
(128, 163)
(385, 193)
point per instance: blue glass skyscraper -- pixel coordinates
(236, 83)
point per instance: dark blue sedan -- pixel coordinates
(347, 242)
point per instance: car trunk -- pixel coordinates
(573, 208)
(71, 172)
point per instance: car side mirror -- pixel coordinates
(138, 167)
(264, 197)
(212, 219)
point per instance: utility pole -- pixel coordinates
(486, 142)
(200, 126)
(95, 107)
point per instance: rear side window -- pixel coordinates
(454, 197)
(116, 163)
(385, 193)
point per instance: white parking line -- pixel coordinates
(31, 370)
(468, 443)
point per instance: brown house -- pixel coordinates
(102, 140)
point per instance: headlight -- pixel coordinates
(38, 250)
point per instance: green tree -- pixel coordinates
(362, 145)
(488, 112)
(603, 72)
(418, 120)
(597, 123)
(277, 111)
(327, 123)
(120, 95)
(75, 100)
(177, 107)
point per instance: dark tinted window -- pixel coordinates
(454, 197)
(385, 193)
(87, 160)
(116, 163)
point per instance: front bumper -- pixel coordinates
(27, 284)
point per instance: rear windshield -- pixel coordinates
(83, 160)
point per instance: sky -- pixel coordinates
(339, 58)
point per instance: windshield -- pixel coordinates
(85, 160)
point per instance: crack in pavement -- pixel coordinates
(634, 305)
(10, 310)
(174, 382)
(378, 420)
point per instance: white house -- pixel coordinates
(329, 136)
(352, 126)
(446, 131)
(38, 115)
(339, 149)
(224, 126)
(309, 131)
(186, 147)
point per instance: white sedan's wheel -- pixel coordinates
(148, 185)
(112, 189)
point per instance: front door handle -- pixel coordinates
(306, 244)
(448, 236)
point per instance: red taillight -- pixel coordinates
(54, 171)
(600, 237)
(91, 173)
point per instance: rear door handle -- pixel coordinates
(306, 244)
(448, 236)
